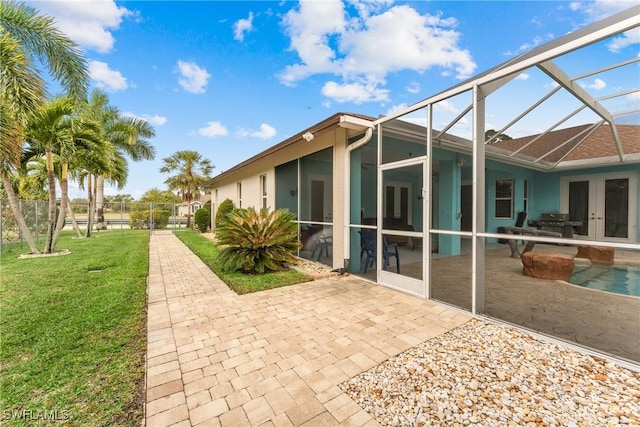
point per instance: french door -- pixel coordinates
(605, 205)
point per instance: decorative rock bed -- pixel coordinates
(490, 375)
(313, 269)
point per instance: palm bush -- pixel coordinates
(256, 242)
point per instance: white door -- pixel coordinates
(605, 204)
(402, 260)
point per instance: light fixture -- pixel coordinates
(308, 136)
(293, 192)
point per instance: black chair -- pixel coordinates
(520, 219)
(368, 244)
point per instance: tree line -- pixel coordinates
(47, 141)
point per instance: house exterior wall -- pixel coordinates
(251, 190)
(544, 190)
(249, 177)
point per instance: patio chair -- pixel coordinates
(322, 245)
(368, 244)
(520, 219)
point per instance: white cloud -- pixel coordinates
(310, 28)
(523, 76)
(446, 106)
(105, 77)
(633, 98)
(537, 41)
(600, 9)
(155, 119)
(266, 131)
(363, 50)
(88, 23)
(575, 5)
(627, 38)
(597, 84)
(354, 92)
(242, 26)
(395, 108)
(193, 78)
(414, 87)
(213, 129)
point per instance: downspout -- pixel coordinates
(347, 191)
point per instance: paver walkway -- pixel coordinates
(276, 357)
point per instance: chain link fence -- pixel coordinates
(113, 216)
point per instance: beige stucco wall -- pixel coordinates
(249, 176)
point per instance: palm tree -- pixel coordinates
(70, 138)
(49, 132)
(84, 139)
(87, 164)
(192, 172)
(26, 36)
(127, 135)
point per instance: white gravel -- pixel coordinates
(492, 375)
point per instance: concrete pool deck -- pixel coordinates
(604, 321)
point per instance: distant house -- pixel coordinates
(184, 208)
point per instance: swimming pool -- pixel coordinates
(618, 279)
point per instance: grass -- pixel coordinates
(241, 283)
(73, 334)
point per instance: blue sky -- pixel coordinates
(231, 78)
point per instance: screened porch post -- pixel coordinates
(478, 221)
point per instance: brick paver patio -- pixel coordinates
(272, 358)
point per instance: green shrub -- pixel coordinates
(142, 219)
(202, 219)
(225, 207)
(254, 242)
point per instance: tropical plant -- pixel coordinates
(256, 242)
(127, 136)
(56, 135)
(226, 207)
(28, 39)
(202, 218)
(193, 171)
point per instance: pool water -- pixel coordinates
(617, 279)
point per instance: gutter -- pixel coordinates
(346, 121)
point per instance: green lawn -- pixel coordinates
(241, 283)
(73, 333)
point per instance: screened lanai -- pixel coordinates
(554, 131)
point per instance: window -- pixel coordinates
(504, 198)
(239, 191)
(263, 190)
(526, 195)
